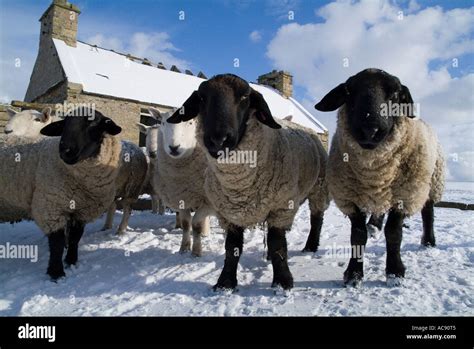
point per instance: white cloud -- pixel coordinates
(255, 36)
(155, 46)
(369, 33)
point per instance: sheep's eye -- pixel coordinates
(244, 97)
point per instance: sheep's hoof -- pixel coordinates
(312, 249)
(285, 281)
(374, 232)
(428, 242)
(184, 249)
(225, 285)
(197, 251)
(70, 260)
(353, 278)
(56, 273)
(394, 280)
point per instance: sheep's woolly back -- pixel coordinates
(19, 159)
(180, 182)
(404, 171)
(42, 187)
(288, 167)
(132, 173)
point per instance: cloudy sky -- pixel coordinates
(427, 44)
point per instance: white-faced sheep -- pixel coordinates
(151, 136)
(179, 177)
(28, 123)
(381, 162)
(234, 119)
(63, 182)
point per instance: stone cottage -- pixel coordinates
(68, 72)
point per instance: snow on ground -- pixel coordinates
(143, 274)
(459, 192)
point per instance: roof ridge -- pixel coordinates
(146, 61)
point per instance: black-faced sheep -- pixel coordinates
(235, 123)
(61, 183)
(381, 162)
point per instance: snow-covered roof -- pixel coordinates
(109, 73)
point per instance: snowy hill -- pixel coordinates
(143, 274)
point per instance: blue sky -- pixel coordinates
(420, 49)
(213, 34)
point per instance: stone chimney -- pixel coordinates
(279, 80)
(59, 21)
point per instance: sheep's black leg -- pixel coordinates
(393, 236)
(427, 214)
(234, 244)
(76, 229)
(312, 243)
(355, 270)
(56, 242)
(278, 251)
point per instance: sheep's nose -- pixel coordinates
(8, 131)
(218, 140)
(370, 132)
(174, 149)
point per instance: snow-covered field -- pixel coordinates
(143, 274)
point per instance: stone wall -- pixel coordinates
(125, 113)
(3, 117)
(56, 94)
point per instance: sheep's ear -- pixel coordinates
(107, 125)
(188, 111)
(334, 99)
(143, 128)
(405, 98)
(262, 111)
(11, 112)
(54, 129)
(45, 114)
(156, 114)
(288, 118)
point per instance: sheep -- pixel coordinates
(179, 177)
(28, 123)
(133, 166)
(151, 133)
(132, 176)
(235, 120)
(63, 182)
(381, 163)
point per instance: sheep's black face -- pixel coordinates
(82, 132)
(224, 103)
(225, 108)
(370, 98)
